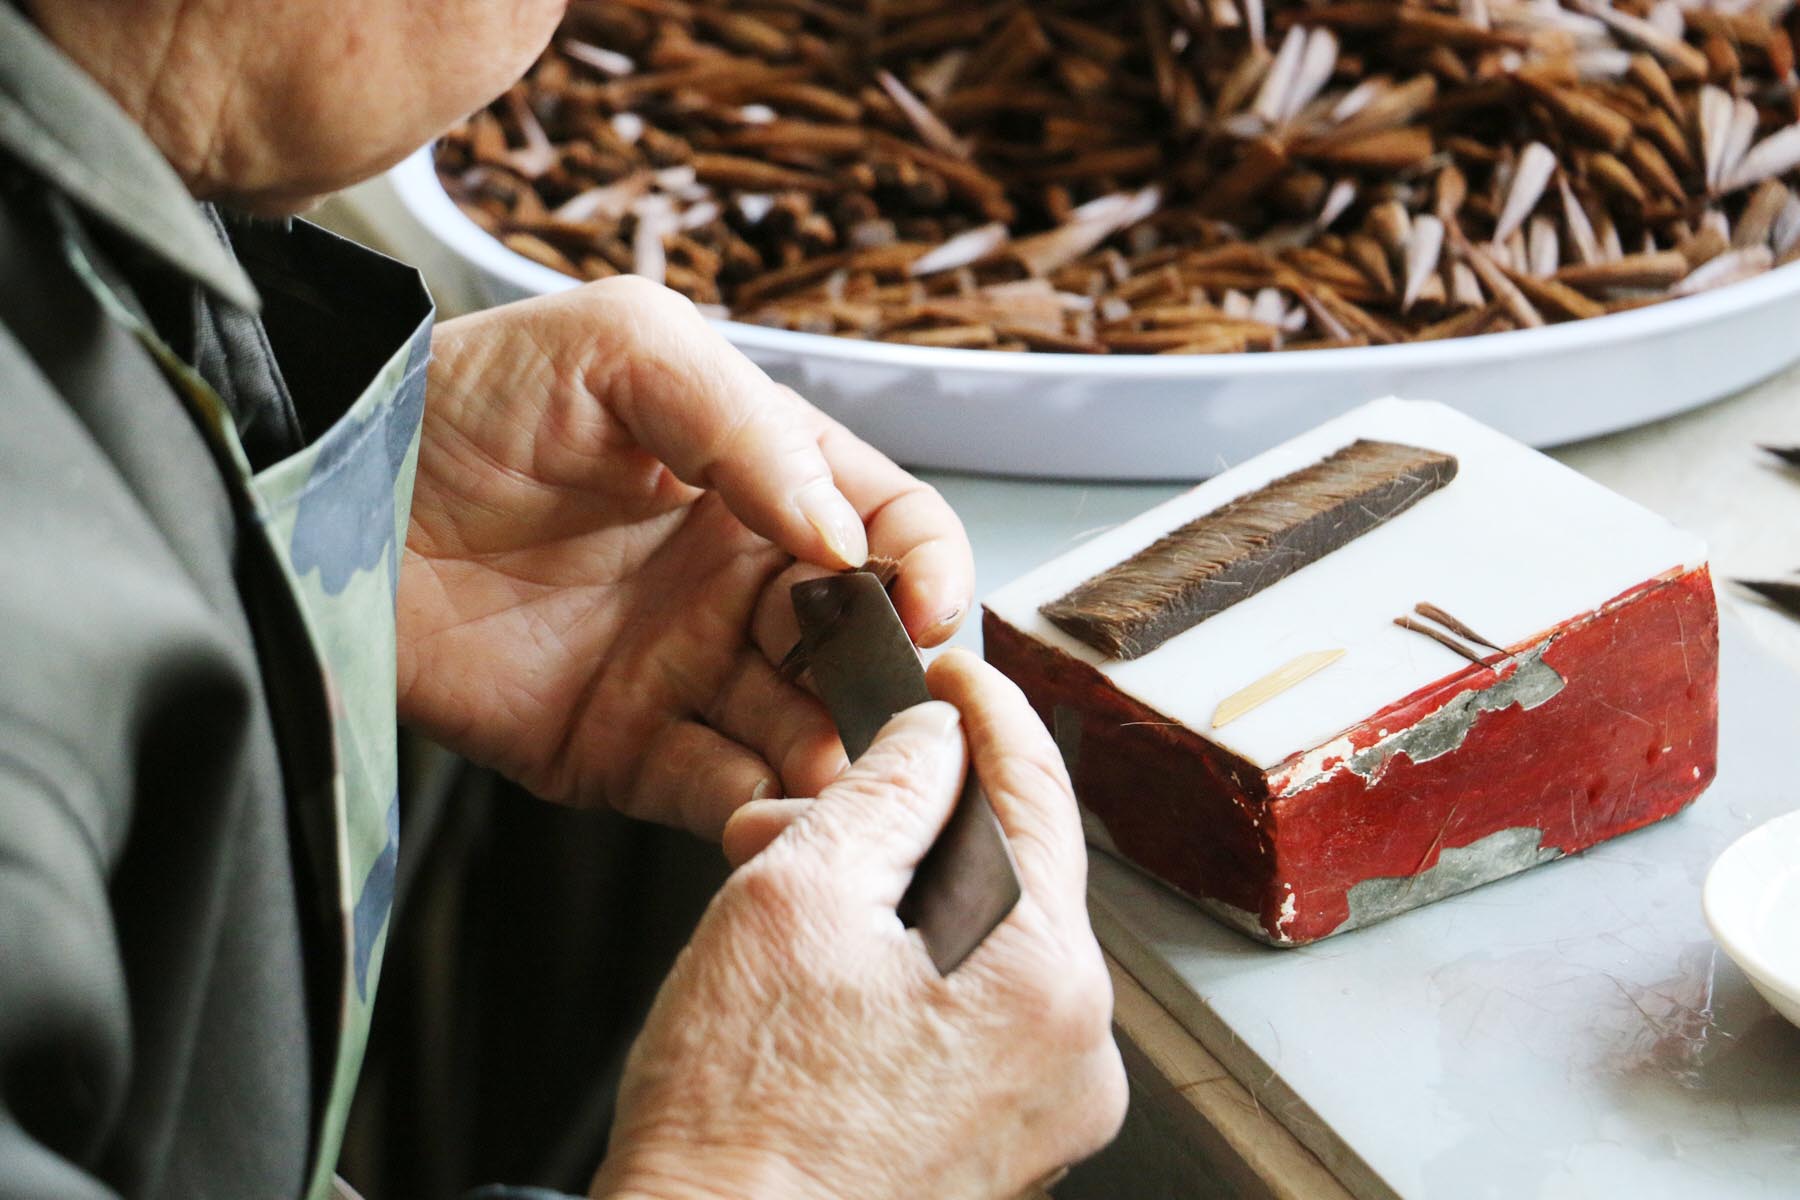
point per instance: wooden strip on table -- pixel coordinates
(1250, 1149)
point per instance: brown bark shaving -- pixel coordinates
(1169, 176)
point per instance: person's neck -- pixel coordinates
(168, 74)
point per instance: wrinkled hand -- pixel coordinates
(611, 505)
(805, 1048)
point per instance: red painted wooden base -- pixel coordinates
(1602, 725)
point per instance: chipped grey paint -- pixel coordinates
(1531, 684)
(1242, 920)
(1506, 852)
(1335, 752)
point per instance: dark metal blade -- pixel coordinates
(865, 669)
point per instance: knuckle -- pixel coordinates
(897, 771)
(789, 396)
(916, 494)
(795, 874)
(729, 444)
(1077, 1005)
(1108, 1097)
(928, 496)
(798, 452)
(764, 911)
(762, 440)
(637, 291)
(769, 884)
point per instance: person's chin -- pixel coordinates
(292, 195)
(272, 205)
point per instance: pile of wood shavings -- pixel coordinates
(1165, 176)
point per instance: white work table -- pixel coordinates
(1568, 1032)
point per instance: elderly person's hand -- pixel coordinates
(611, 506)
(805, 1048)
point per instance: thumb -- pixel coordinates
(754, 825)
(717, 421)
(887, 808)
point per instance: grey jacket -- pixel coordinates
(169, 948)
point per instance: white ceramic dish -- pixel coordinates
(1168, 417)
(1752, 902)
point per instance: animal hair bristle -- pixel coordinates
(885, 569)
(1432, 612)
(1228, 555)
(1441, 638)
(794, 663)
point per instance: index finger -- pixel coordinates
(713, 417)
(909, 522)
(1022, 773)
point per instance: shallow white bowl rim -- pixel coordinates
(1730, 903)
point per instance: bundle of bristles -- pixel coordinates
(1152, 176)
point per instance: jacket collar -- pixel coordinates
(60, 124)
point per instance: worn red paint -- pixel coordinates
(1630, 738)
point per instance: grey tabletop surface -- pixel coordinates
(1569, 1032)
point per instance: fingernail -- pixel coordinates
(945, 726)
(948, 619)
(939, 719)
(764, 789)
(935, 730)
(826, 510)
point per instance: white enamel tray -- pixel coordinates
(1752, 902)
(1167, 417)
